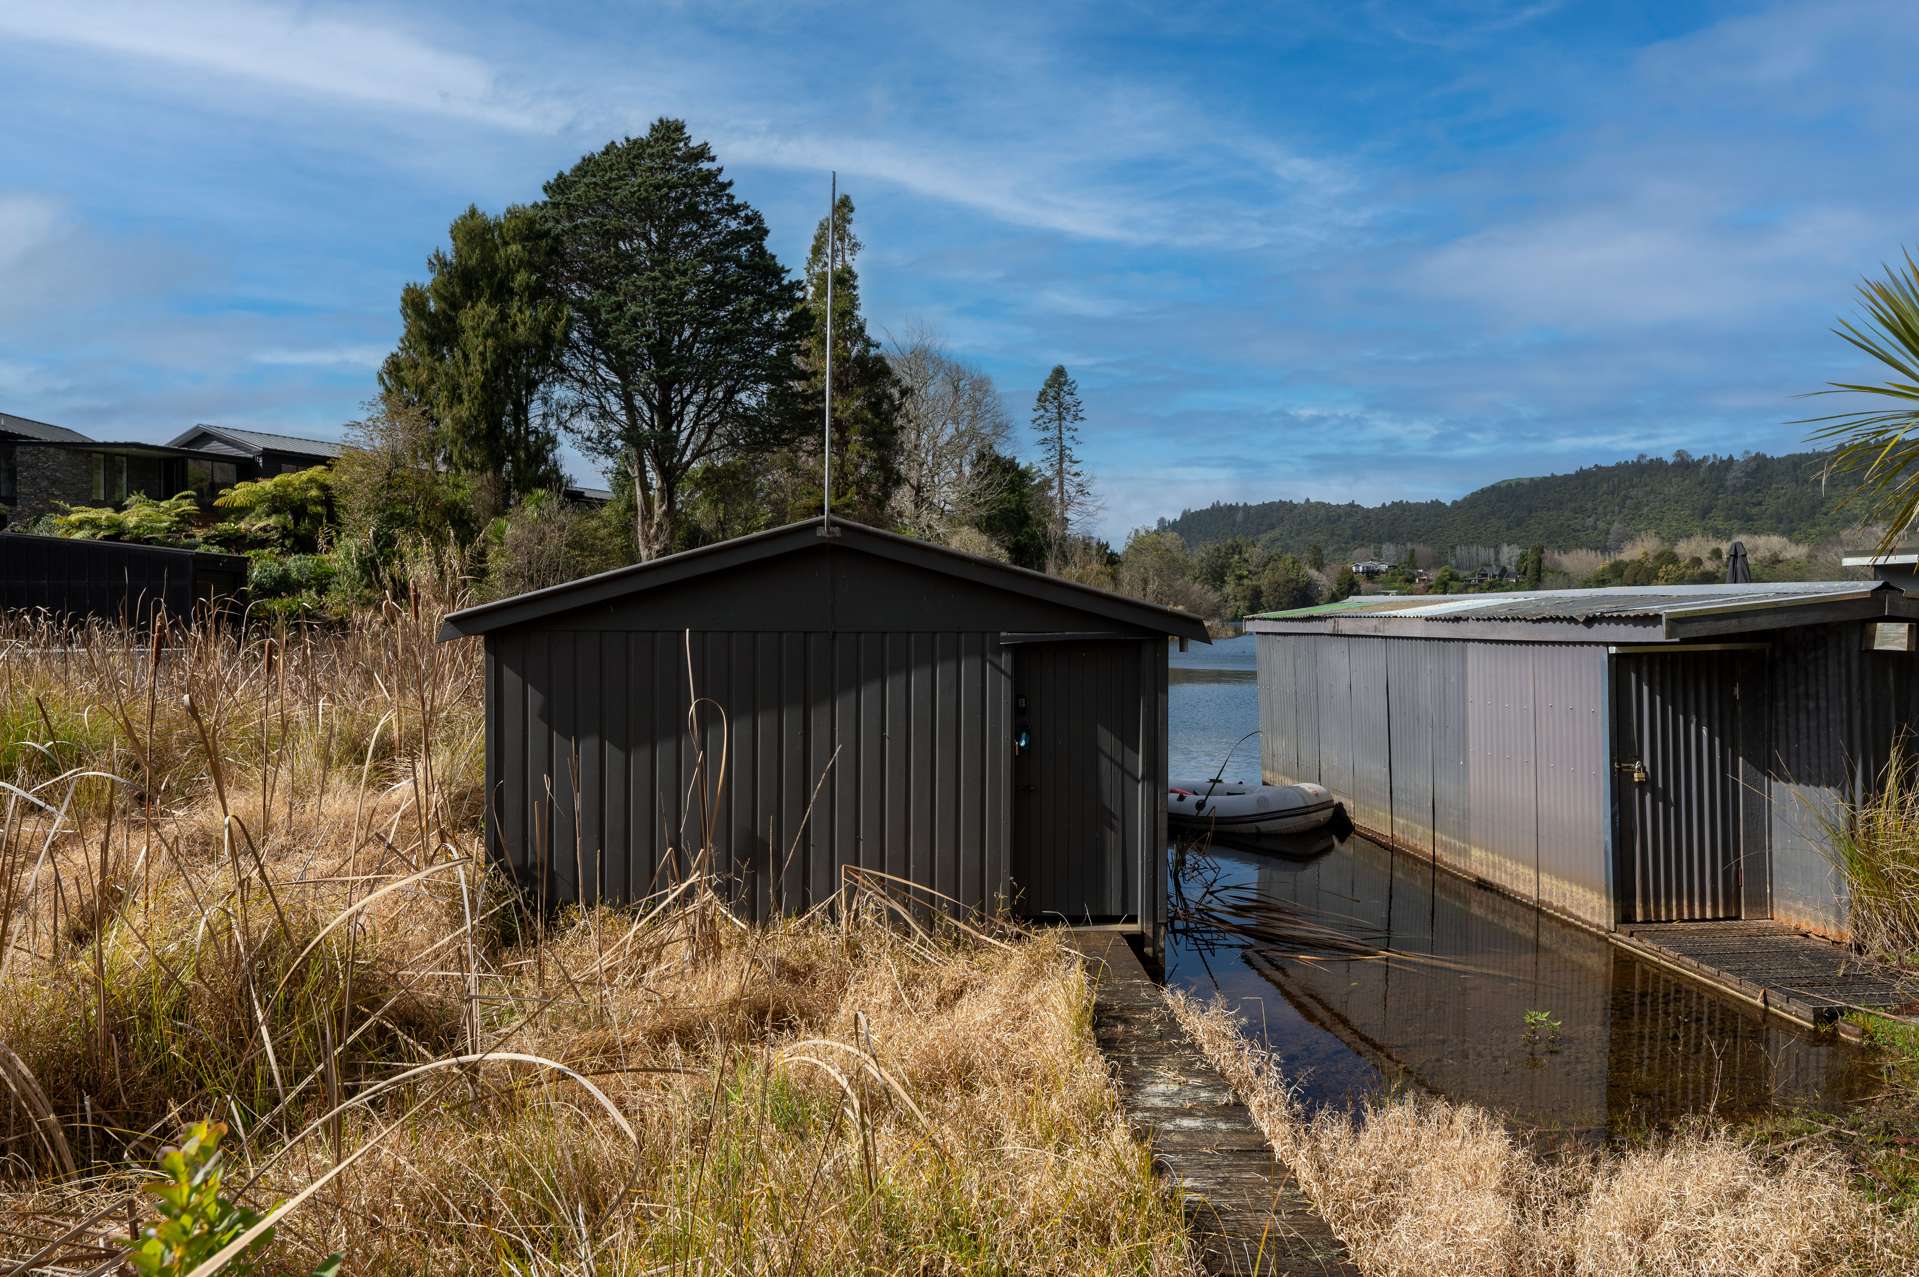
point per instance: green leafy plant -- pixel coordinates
(1542, 1030)
(194, 1221)
(287, 512)
(145, 519)
(1880, 444)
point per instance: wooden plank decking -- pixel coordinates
(1777, 966)
(1246, 1212)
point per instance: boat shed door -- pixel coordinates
(1689, 797)
(1076, 780)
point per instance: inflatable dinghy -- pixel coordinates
(1239, 808)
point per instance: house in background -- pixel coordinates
(44, 466)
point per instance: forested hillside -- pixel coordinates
(1599, 508)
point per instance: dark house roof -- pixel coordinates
(253, 443)
(39, 431)
(675, 569)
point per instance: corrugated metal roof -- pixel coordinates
(27, 428)
(254, 441)
(1623, 602)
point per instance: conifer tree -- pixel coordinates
(1057, 413)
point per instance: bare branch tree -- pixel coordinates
(951, 415)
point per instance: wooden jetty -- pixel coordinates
(1246, 1211)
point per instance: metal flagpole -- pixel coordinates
(826, 451)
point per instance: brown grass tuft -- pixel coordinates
(1417, 1185)
(280, 907)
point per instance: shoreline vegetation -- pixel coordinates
(243, 884)
(1415, 1185)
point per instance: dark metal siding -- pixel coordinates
(1837, 710)
(591, 735)
(1681, 832)
(1080, 824)
(112, 580)
(867, 722)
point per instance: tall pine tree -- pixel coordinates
(685, 326)
(479, 352)
(1056, 416)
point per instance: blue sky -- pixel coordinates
(1349, 249)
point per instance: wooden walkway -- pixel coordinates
(1776, 966)
(1246, 1211)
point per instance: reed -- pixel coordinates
(241, 881)
(1876, 846)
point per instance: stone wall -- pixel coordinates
(46, 474)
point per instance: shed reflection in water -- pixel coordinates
(1446, 1009)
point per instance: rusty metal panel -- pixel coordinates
(1574, 786)
(1503, 816)
(1372, 752)
(1411, 689)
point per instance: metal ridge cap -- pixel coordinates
(1767, 604)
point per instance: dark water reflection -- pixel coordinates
(1447, 1011)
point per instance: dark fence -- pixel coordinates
(112, 580)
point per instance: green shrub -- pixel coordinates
(195, 1222)
(144, 519)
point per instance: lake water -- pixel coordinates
(1366, 970)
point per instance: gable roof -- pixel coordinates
(27, 428)
(709, 560)
(254, 442)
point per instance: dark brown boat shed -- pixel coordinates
(779, 707)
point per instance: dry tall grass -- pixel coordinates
(1417, 1186)
(1876, 845)
(240, 879)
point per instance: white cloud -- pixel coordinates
(323, 357)
(293, 49)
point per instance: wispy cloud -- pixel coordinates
(352, 58)
(362, 356)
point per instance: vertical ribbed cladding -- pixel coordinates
(1818, 685)
(1335, 715)
(1681, 829)
(1452, 819)
(1836, 712)
(1412, 688)
(1574, 781)
(1090, 785)
(1278, 708)
(593, 773)
(1485, 755)
(1372, 741)
(1502, 789)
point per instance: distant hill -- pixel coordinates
(1598, 508)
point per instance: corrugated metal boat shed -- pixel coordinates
(1479, 730)
(862, 698)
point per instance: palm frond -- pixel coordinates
(1880, 444)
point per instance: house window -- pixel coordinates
(109, 478)
(209, 479)
(9, 476)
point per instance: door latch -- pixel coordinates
(1636, 768)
